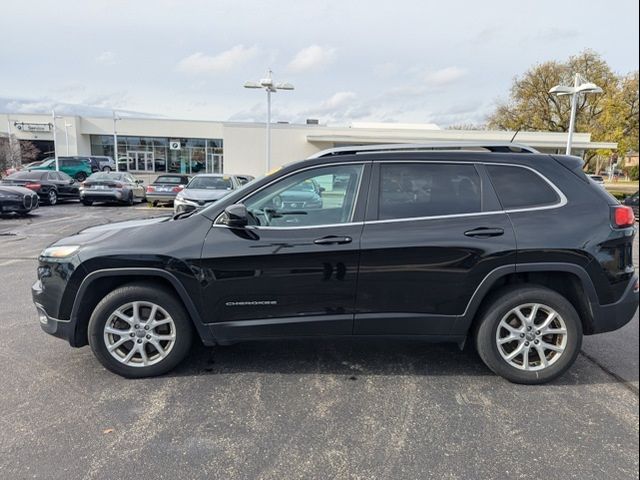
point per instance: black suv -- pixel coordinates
(513, 250)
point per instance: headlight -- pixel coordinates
(60, 252)
(180, 196)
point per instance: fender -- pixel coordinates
(203, 331)
(492, 277)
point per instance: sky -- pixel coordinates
(412, 61)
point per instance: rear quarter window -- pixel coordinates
(519, 187)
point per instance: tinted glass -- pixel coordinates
(309, 198)
(211, 183)
(519, 187)
(428, 189)
(53, 176)
(105, 176)
(171, 180)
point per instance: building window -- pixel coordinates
(154, 154)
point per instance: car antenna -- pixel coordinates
(514, 135)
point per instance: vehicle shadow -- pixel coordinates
(352, 358)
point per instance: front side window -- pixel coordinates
(308, 198)
(519, 187)
(411, 190)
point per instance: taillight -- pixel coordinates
(623, 216)
(151, 188)
(33, 186)
(177, 189)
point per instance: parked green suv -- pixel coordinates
(74, 167)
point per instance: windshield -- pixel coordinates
(306, 186)
(106, 176)
(46, 163)
(211, 183)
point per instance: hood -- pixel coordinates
(295, 195)
(204, 194)
(123, 225)
(15, 190)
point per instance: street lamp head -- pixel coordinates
(252, 85)
(562, 90)
(284, 86)
(589, 88)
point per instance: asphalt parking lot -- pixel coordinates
(358, 409)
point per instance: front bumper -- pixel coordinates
(19, 204)
(53, 326)
(616, 315)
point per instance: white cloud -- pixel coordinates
(107, 58)
(312, 58)
(201, 63)
(445, 76)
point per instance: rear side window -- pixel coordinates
(519, 187)
(428, 189)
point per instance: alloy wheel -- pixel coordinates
(52, 197)
(139, 334)
(531, 337)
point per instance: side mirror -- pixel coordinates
(322, 189)
(235, 216)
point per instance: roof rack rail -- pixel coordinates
(497, 147)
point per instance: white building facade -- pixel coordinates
(155, 145)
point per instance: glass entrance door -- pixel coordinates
(140, 161)
(214, 163)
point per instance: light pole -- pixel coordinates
(115, 141)
(580, 86)
(269, 87)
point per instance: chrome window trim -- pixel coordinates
(311, 167)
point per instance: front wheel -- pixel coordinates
(81, 176)
(529, 334)
(140, 331)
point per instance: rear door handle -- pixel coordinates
(484, 232)
(332, 240)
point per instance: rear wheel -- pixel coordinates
(529, 334)
(52, 197)
(130, 199)
(140, 331)
(106, 169)
(81, 176)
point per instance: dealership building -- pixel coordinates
(152, 145)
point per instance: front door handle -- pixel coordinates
(484, 232)
(332, 240)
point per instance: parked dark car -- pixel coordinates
(516, 252)
(19, 200)
(51, 186)
(632, 201)
(165, 188)
(99, 163)
(118, 187)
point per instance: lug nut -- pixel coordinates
(146, 327)
(132, 334)
(529, 328)
(522, 335)
(526, 344)
(537, 332)
(537, 342)
(148, 336)
(136, 326)
(139, 340)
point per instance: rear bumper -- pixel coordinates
(613, 316)
(161, 197)
(106, 196)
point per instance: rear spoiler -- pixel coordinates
(574, 164)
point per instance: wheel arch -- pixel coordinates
(99, 283)
(570, 280)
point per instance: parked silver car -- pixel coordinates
(119, 187)
(206, 188)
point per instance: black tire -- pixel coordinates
(130, 199)
(52, 197)
(499, 305)
(106, 169)
(81, 176)
(87, 203)
(144, 293)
